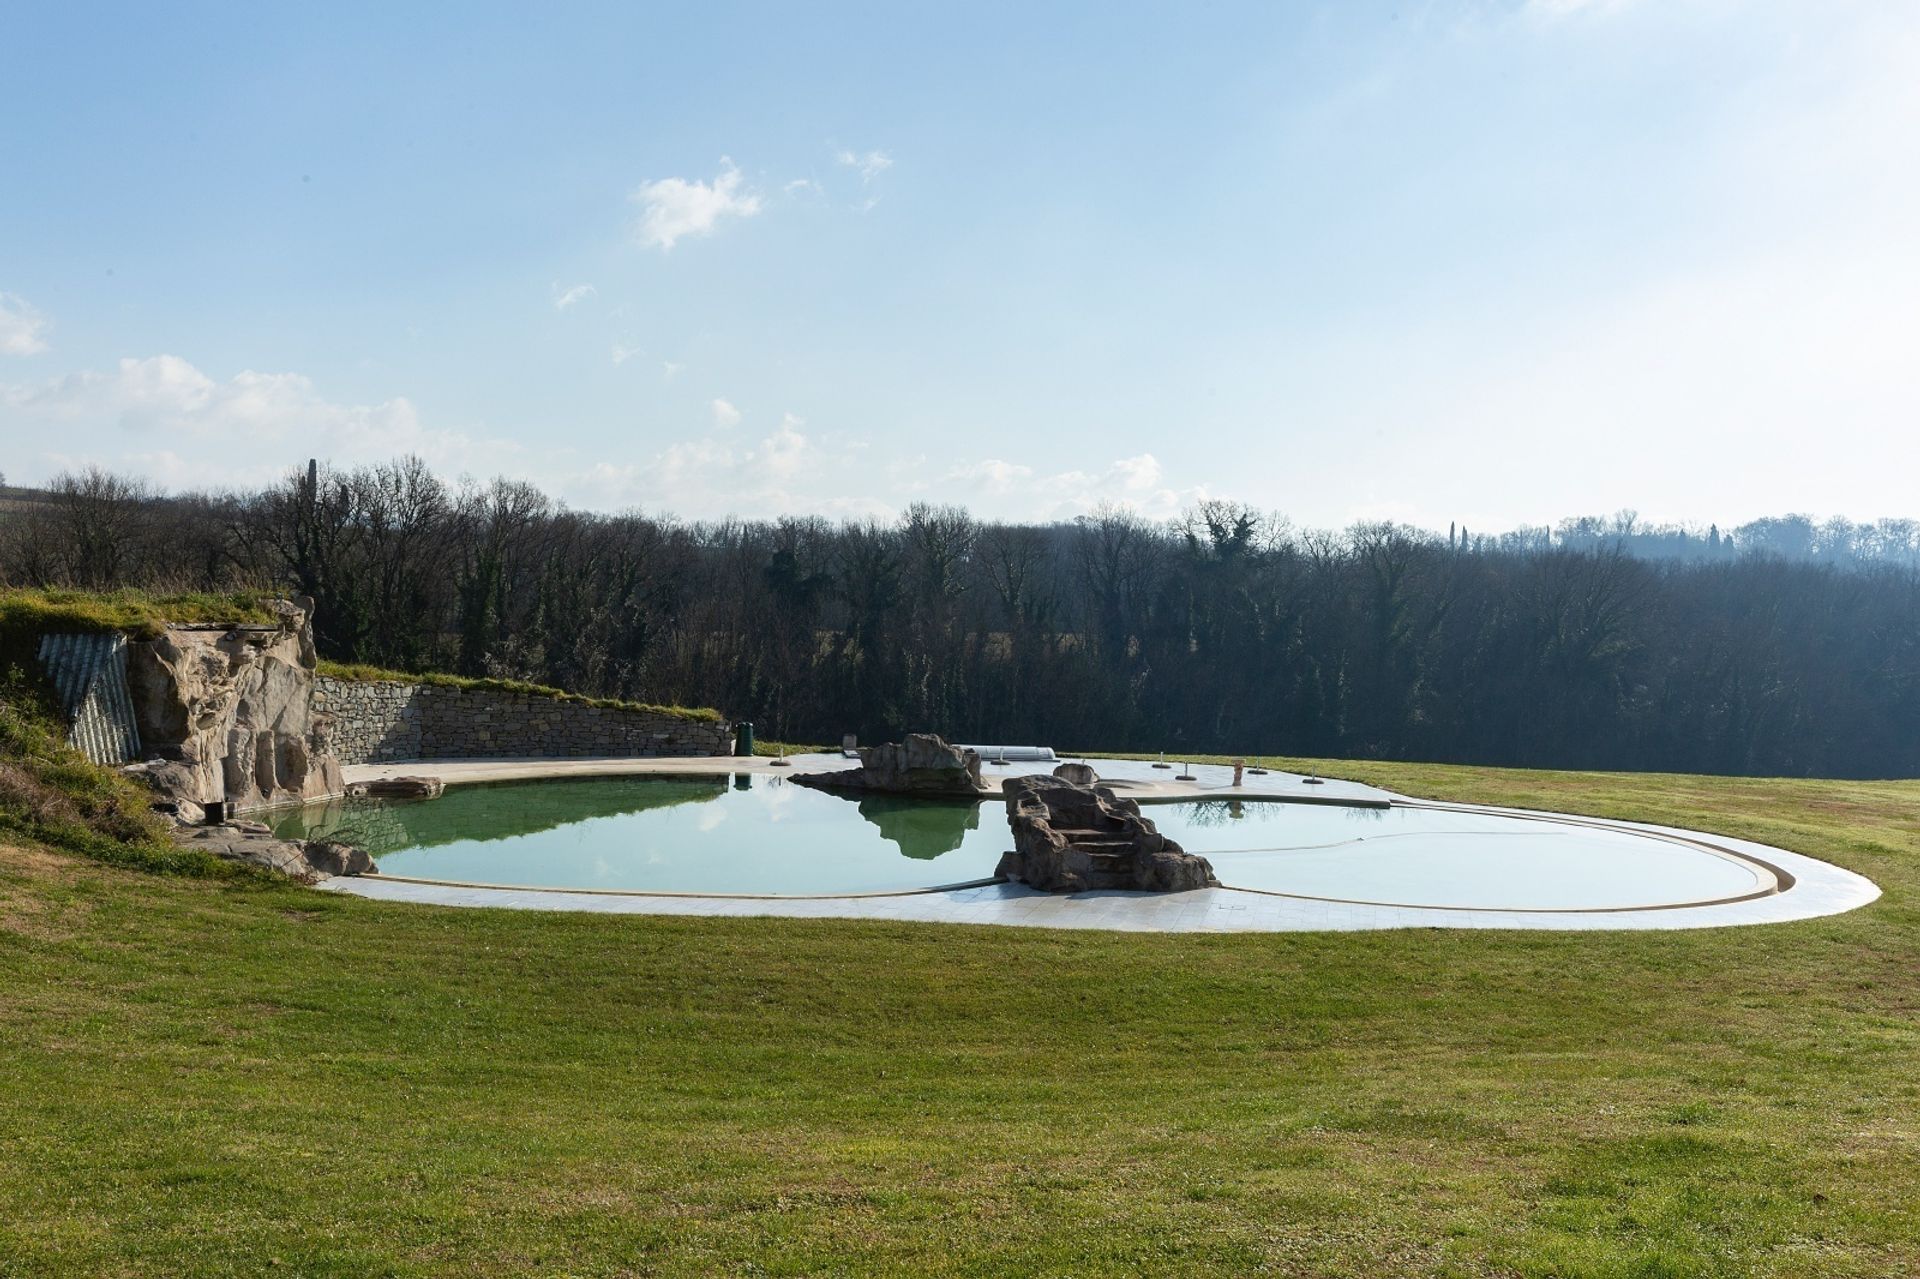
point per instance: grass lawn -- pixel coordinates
(220, 1077)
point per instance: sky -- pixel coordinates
(1493, 263)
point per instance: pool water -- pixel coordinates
(1419, 856)
(747, 834)
(709, 834)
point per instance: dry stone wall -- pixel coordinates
(376, 722)
(370, 722)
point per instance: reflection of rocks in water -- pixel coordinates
(372, 824)
(921, 829)
(488, 811)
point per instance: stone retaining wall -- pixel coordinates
(375, 722)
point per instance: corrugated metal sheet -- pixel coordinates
(89, 674)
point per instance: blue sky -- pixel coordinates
(1488, 262)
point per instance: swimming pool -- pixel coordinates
(751, 834)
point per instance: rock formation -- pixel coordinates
(922, 765)
(1068, 838)
(398, 788)
(226, 714)
(255, 844)
(1078, 774)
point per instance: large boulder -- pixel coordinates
(1069, 838)
(398, 788)
(227, 713)
(255, 844)
(923, 764)
(331, 857)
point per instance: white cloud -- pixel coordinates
(22, 327)
(670, 369)
(674, 208)
(802, 186)
(564, 298)
(166, 418)
(785, 452)
(992, 475)
(621, 354)
(999, 488)
(712, 476)
(1136, 474)
(871, 164)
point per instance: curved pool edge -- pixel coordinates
(1815, 889)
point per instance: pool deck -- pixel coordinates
(1818, 889)
(1134, 778)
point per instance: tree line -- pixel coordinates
(1226, 630)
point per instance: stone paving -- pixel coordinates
(1819, 888)
(1134, 778)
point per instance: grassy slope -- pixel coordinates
(27, 614)
(201, 1078)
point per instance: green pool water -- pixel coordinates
(744, 834)
(715, 834)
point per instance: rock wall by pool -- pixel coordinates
(227, 712)
(378, 722)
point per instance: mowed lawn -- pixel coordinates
(215, 1078)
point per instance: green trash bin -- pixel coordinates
(743, 738)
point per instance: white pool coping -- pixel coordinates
(1817, 888)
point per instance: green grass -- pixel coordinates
(777, 750)
(51, 794)
(25, 612)
(362, 673)
(200, 1078)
